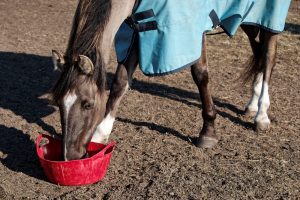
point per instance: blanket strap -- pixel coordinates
(133, 21)
(136, 5)
(214, 18)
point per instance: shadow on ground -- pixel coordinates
(183, 96)
(24, 79)
(19, 153)
(292, 28)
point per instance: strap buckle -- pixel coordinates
(133, 21)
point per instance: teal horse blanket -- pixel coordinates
(170, 31)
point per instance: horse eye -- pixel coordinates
(87, 105)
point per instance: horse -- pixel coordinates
(88, 111)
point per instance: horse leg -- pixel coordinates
(207, 137)
(264, 56)
(252, 106)
(268, 62)
(119, 87)
(253, 70)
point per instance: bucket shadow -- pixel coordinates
(19, 153)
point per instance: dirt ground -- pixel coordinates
(154, 158)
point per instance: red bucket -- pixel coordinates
(75, 172)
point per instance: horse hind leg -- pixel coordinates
(253, 70)
(119, 87)
(252, 106)
(207, 137)
(262, 120)
(264, 55)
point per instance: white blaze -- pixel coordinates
(68, 102)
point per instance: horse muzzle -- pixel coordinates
(75, 154)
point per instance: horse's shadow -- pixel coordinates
(292, 28)
(189, 98)
(24, 79)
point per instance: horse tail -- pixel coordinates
(252, 69)
(253, 66)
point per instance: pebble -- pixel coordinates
(2, 155)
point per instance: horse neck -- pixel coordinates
(121, 9)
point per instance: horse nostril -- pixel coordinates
(86, 155)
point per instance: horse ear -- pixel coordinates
(58, 60)
(86, 65)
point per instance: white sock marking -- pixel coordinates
(257, 87)
(263, 105)
(104, 129)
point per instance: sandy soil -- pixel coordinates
(154, 158)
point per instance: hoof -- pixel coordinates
(262, 126)
(206, 142)
(250, 113)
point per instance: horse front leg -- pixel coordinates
(269, 49)
(119, 87)
(207, 137)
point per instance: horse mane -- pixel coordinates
(89, 22)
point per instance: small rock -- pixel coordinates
(2, 193)
(2, 155)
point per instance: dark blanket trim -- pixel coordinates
(261, 26)
(133, 40)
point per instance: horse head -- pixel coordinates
(81, 101)
(80, 92)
